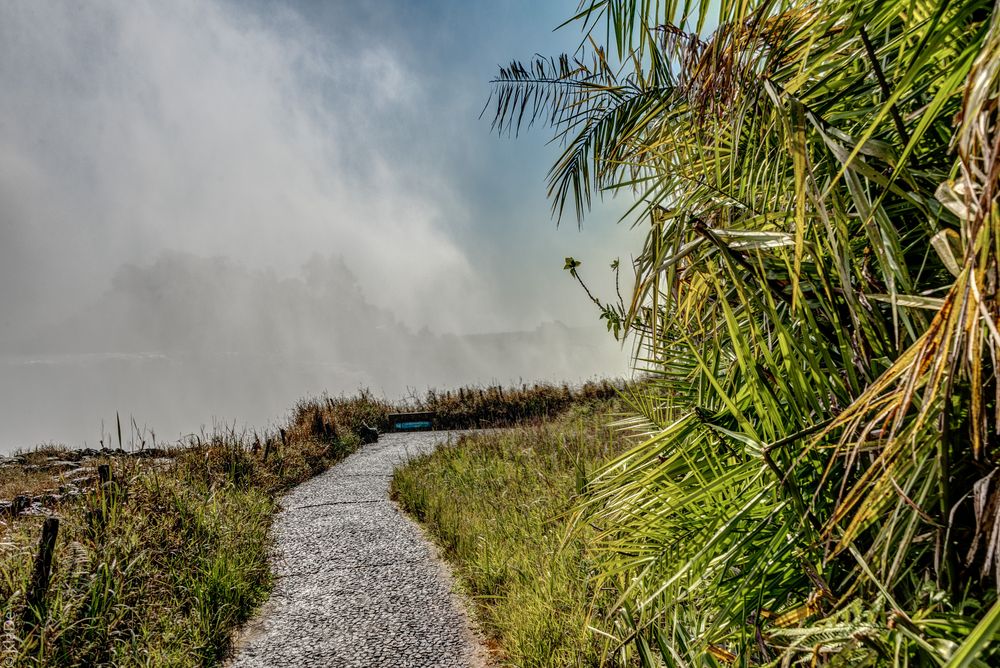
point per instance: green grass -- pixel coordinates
(500, 504)
(161, 568)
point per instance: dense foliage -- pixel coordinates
(817, 299)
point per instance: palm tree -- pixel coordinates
(815, 479)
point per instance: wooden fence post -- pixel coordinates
(34, 613)
(283, 451)
(19, 505)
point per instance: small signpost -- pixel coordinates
(423, 421)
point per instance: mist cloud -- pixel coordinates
(211, 208)
(131, 127)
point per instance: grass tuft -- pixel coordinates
(500, 505)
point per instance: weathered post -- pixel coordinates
(282, 452)
(19, 505)
(34, 613)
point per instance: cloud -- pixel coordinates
(168, 168)
(131, 127)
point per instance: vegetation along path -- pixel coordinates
(358, 583)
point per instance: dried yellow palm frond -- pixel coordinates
(962, 340)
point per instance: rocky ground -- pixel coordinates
(34, 482)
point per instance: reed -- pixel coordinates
(472, 407)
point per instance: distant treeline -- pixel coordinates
(329, 418)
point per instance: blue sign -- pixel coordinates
(405, 426)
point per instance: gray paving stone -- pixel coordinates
(358, 583)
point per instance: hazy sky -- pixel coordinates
(271, 131)
(172, 173)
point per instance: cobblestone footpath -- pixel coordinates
(358, 584)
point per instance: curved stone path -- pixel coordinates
(357, 582)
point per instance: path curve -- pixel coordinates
(358, 584)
